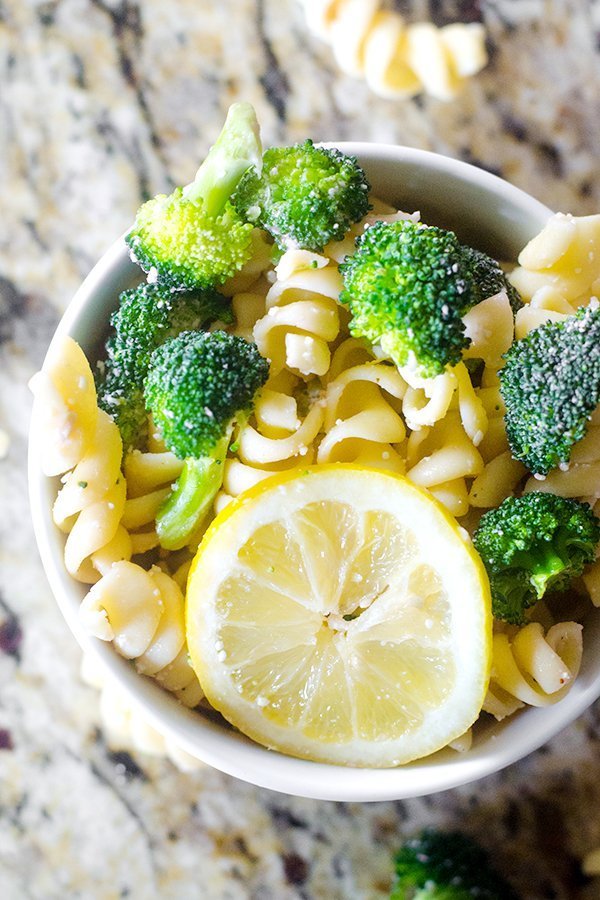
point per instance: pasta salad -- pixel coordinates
(290, 322)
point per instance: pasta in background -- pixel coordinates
(396, 59)
(125, 726)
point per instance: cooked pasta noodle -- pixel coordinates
(142, 613)
(532, 668)
(565, 258)
(302, 314)
(125, 727)
(360, 423)
(80, 437)
(149, 476)
(397, 60)
(445, 458)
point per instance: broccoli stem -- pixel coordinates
(237, 148)
(191, 499)
(544, 565)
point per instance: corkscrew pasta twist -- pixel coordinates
(302, 314)
(149, 476)
(125, 726)
(142, 613)
(533, 668)
(396, 59)
(562, 261)
(360, 422)
(81, 440)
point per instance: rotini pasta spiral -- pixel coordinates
(360, 424)
(442, 460)
(149, 478)
(142, 613)
(532, 668)
(78, 436)
(125, 726)
(563, 258)
(302, 314)
(397, 60)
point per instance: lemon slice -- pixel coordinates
(341, 615)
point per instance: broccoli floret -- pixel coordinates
(305, 197)
(550, 384)
(147, 316)
(194, 238)
(446, 866)
(489, 278)
(407, 288)
(532, 544)
(198, 385)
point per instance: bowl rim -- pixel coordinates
(208, 741)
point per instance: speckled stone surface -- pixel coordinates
(103, 102)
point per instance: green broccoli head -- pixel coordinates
(532, 544)
(489, 278)
(550, 384)
(194, 238)
(305, 197)
(407, 288)
(197, 384)
(146, 317)
(179, 245)
(446, 866)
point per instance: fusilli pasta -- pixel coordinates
(396, 59)
(142, 613)
(80, 437)
(125, 726)
(563, 260)
(302, 314)
(533, 668)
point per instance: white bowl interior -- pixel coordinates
(493, 216)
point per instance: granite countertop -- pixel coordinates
(103, 102)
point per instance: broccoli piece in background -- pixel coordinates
(147, 316)
(532, 544)
(407, 288)
(550, 384)
(446, 866)
(489, 278)
(198, 385)
(305, 197)
(194, 238)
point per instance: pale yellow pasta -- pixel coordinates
(533, 668)
(564, 256)
(65, 406)
(142, 613)
(302, 316)
(248, 308)
(78, 436)
(360, 423)
(591, 863)
(125, 726)
(498, 480)
(489, 326)
(397, 60)
(442, 462)
(259, 449)
(150, 477)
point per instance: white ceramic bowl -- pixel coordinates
(494, 216)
